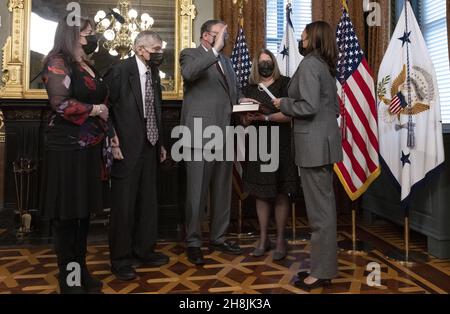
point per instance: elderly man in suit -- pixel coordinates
(210, 91)
(135, 100)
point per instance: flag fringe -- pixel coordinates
(355, 195)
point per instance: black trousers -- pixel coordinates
(70, 241)
(134, 211)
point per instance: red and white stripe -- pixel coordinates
(396, 105)
(360, 146)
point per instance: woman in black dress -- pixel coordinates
(270, 188)
(78, 154)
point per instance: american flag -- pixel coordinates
(240, 58)
(359, 124)
(242, 64)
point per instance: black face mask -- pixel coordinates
(266, 68)
(92, 44)
(156, 59)
(302, 50)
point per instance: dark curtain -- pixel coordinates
(254, 23)
(378, 38)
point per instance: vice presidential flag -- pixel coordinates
(288, 55)
(410, 125)
(356, 91)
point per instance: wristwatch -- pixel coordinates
(267, 118)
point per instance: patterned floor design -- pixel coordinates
(33, 270)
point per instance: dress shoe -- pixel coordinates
(228, 246)
(125, 273)
(280, 255)
(89, 283)
(155, 259)
(64, 288)
(258, 252)
(317, 284)
(195, 255)
(302, 275)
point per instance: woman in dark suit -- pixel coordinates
(313, 104)
(77, 150)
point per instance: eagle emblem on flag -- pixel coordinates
(423, 94)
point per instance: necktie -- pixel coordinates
(152, 126)
(223, 75)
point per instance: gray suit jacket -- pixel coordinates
(207, 94)
(313, 104)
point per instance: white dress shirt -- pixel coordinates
(143, 78)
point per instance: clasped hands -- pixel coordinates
(100, 111)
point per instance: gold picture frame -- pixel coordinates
(16, 53)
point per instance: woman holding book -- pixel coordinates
(271, 189)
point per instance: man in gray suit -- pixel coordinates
(210, 92)
(314, 106)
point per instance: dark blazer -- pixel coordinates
(207, 94)
(313, 104)
(127, 112)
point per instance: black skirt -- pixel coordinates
(268, 185)
(72, 187)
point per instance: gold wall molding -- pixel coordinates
(16, 53)
(15, 4)
(13, 53)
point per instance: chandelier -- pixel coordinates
(120, 27)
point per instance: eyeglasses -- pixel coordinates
(214, 34)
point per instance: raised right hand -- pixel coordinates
(220, 39)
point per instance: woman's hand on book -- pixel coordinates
(248, 100)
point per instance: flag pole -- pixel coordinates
(288, 16)
(296, 238)
(407, 257)
(240, 234)
(240, 218)
(344, 4)
(354, 246)
(294, 222)
(240, 3)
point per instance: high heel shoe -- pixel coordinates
(302, 275)
(317, 284)
(258, 252)
(280, 255)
